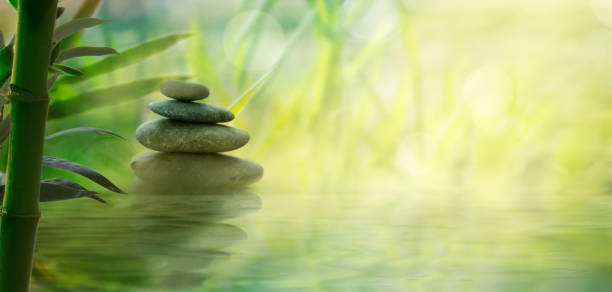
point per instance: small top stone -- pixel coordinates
(194, 112)
(184, 90)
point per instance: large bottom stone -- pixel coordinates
(199, 170)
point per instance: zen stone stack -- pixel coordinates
(189, 139)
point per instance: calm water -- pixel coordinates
(258, 240)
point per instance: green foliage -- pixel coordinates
(54, 53)
(105, 96)
(248, 95)
(202, 65)
(251, 92)
(101, 132)
(6, 62)
(82, 170)
(70, 32)
(59, 189)
(13, 3)
(84, 51)
(74, 26)
(87, 9)
(128, 57)
(65, 70)
(5, 127)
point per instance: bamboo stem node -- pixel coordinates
(17, 93)
(4, 213)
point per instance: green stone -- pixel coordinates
(191, 111)
(183, 90)
(173, 136)
(204, 170)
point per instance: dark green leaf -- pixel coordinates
(13, 3)
(101, 132)
(6, 62)
(126, 58)
(52, 80)
(82, 170)
(54, 53)
(5, 127)
(60, 12)
(4, 89)
(59, 189)
(87, 9)
(107, 96)
(74, 26)
(65, 70)
(1, 40)
(84, 51)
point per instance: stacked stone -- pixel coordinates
(189, 139)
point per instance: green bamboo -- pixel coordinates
(29, 103)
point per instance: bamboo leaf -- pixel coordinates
(54, 53)
(13, 3)
(84, 51)
(5, 127)
(107, 96)
(101, 132)
(60, 12)
(87, 9)
(52, 80)
(6, 62)
(82, 170)
(246, 96)
(59, 189)
(4, 89)
(74, 26)
(65, 70)
(256, 87)
(201, 64)
(126, 58)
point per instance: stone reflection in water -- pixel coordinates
(158, 241)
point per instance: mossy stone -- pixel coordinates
(204, 170)
(184, 90)
(174, 136)
(191, 111)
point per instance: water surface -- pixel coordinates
(413, 240)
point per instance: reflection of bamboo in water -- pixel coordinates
(161, 239)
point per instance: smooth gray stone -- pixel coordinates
(191, 111)
(173, 136)
(203, 170)
(184, 90)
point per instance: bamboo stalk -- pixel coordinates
(29, 103)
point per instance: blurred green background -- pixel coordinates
(434, 145)
(435, 92)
